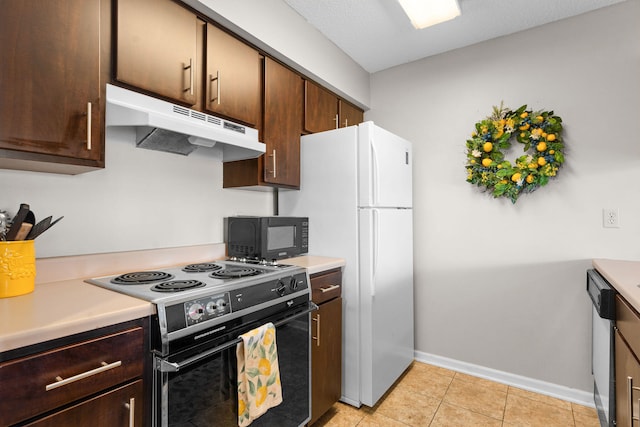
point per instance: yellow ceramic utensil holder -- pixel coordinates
(17, 268)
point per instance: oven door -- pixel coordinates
(201, 390)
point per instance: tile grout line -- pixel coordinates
(441, 400)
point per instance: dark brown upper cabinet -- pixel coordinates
(323, 110)
(233, 77)
(320, 108)
(157, 48)
(282, 126)
(349, 115)
(55, 63)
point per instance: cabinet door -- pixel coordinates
(282, 124)
(233, 77)
(119, 407)
(326, 357)
(50, 79)
(627, 366)
(35, 384)
(156, 48)
(320, 108)
(349, 115)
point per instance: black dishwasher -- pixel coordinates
(602, 347)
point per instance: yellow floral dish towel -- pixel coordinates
(258, 374)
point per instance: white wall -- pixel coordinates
(143, 199)
(502, 285)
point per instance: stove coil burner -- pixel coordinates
(201, 268)
(235, 272)
(141, 277)
(177, 286)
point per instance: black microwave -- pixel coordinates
(267, 238)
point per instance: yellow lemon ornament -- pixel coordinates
(486, 162)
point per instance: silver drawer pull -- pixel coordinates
(330, 288)
(317, 337)
(131, 406)
(630, 388)
(88, 125)
(62, 382)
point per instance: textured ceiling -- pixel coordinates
(378, 35)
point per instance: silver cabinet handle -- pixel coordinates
(191, 68)
(273, 154)
(330, 288)
(346, 123)
(88, 125)
(317, 337)
(131, 406)
(337, 120)
(217, 79)
(62, 382)
(630, 389)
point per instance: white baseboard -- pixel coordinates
(580, 397)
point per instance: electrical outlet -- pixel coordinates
(611, 218)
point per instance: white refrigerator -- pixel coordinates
(356, 189)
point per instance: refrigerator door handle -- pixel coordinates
(374, 174)
(374, 239)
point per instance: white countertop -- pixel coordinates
(54, 310)
(63, 304)
(624, 276)
(316, 264)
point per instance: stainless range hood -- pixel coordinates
(163, 126)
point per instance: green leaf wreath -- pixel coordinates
(540, 132)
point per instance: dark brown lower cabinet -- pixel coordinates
(326, 342)
(326, 357)
(627, 366)
(119, 407)
(97, 382)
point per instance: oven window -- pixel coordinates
(205, 394)
(281, 237)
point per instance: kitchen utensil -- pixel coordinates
(25, 228)
(17, 221)
(4, 225)
(47, 227)
(39, 228)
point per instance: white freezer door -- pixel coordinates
(384, 167)
(386, 299)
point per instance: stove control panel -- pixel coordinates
(207, 308)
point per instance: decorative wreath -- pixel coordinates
(541, 134)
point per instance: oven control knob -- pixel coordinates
(281, 289)
(293, 284)
(195, 311)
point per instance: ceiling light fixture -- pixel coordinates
(424, 13)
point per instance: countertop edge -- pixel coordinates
(316, 264)
(624, 276)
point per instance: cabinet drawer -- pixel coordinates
(628, 322)
(326, 285)
(45, 381)
(106, 410)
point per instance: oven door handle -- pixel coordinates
(165, 366)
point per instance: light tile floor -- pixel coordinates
(431, 396)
